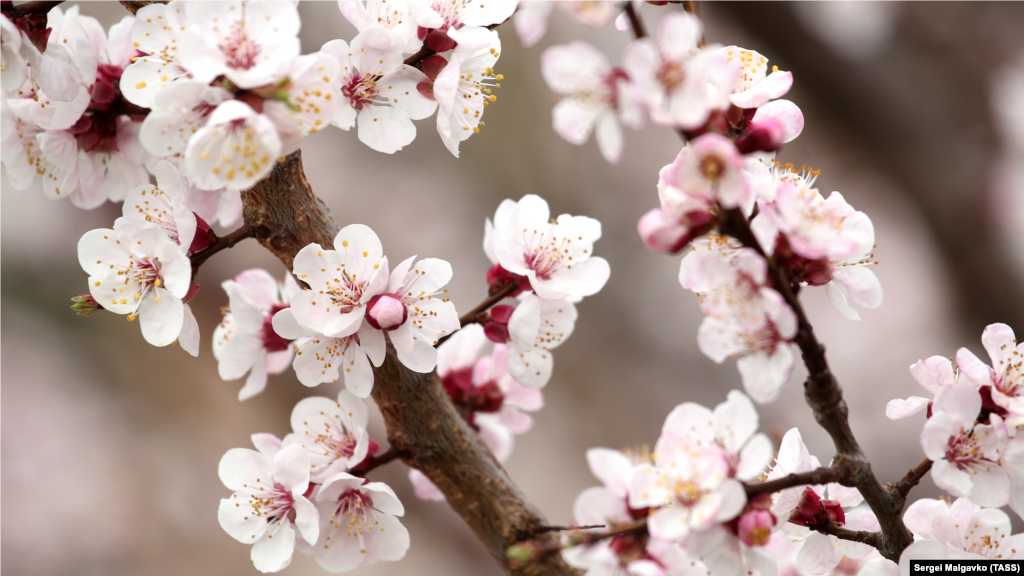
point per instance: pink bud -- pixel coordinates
(501, 313)
(386, 312)
(765, 135)
(835, 511)
(755, 527)
(432, 65)
(496, 332)
(426, 89)
(807, 509)
(439, 41)
(666, 233)
(203, 238)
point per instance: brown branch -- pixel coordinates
(832, 529)
(634, 20)
(904, 485)
(473, 316)
(377, 461)
(133, 6)
(423, 427)
(35, 7)
(222, 243)
(823, 475)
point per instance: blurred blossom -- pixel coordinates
(857, 30)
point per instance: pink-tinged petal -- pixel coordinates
(584, 279)
(355, 367)
(678, 33)
(391, 543)
(241, 467)
(787, 113)
(972, 369)
(647, 487)
(257, 380)
(291, 468)
(531, 21)
(307, 520)
(671, 523)
(385, 129)
(733, 498)
(951, 479)
(962, 402)
(517, 422)
(485, 14)
(188, 339)
(736, 420)
(923, 515)
(314, 363)
(934, 373)
(819, 554)
(999, 342)
(923, 550)
(246, 313)
(424, 488)
(991, 488)
(273, 552)
(763, 374)
(495, 436)
(161, 316)
(267, 444)
(692, 422)
(754, 457)
(372, 342)
(384, 498)
(238, 356)
(609, 137)
(772, 86)
(574, 68)
(399, 88)
(236, 518)
(898, 408)
(612, 468)
(423, 14)
(287, 327)
(473, 37)
(259, 286)
(599, 505)
(574, 119)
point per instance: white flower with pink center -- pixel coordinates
(535, 328)
(415, 312)
(245, 340)
(556, 256)
(270, 502)
(158, 34)
(445, 23)
(378, 90)
(966, 453)
(313, 91)
(933, 374)
(595, 96)
(681, 84)
(728, 280)
(235, 149)
(688, 488)
(755, 87)
(389, 14)
(962, 530)
(358, 524)
(463, 90)
(177, 113)
(19, 151)
(137, 270)
(13, 68)
(165, 205)
(1005, 376)
(732, 427)
(333, 432)
(251, 43)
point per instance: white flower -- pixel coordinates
(556, 257)
(793, 458)
(235, 149)
(252, 43)
(359, 524)
(165, 205)
(19, 151)
(177, 113)
(681, 84)
(689, 488)
(139, 271)
(1005, 376)
(269, 503)
(595, 95)
(223, 206)
(458, 21)
(333, 432)
(463, 90)
(959, 531)
(423, 318)
(966, 454)
(159, 34)
(755, 88)
(535, 328)
(313, 91)
(389, 14)
(378, 91)
(245, 340)
(732, 427)
(13, 68)
(933, 374)
(54, 70)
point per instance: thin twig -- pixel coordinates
(37, 6)
(823, 475)
(634, 20)
(381, 459)
(473, 316)
(222, 243)
(546, 529)
(691, 7)
(832, 529)
(903, 486)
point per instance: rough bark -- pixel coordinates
(284, 215)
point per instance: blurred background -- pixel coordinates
(915, 112)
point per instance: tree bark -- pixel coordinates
(284, 215)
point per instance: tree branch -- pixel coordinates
(634, 20)
(34, 7)
(902, 488)
(823, 475)
(377, 461)
(832, 529)
(473, 316)
(222, 243)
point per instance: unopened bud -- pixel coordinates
(85, 304)
(524, 552)
(666, 233)
(386, 312)
(432, 65)
(765, 135)
(439, 41)
(755, 527)
(203, 238)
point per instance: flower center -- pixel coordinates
(712, 167)
(345, 292)
(270, 501)
(353, 514)
(361, 90)
(239, 49)
(548, 252)
(142, 273)
(272, 341)
(671, 74)
(963, 451)
(468, 398)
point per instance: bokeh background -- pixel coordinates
(914, 112)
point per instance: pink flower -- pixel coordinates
(1006, 375)
(755, 88)
(333, 432)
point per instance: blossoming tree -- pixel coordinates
(190, 113)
